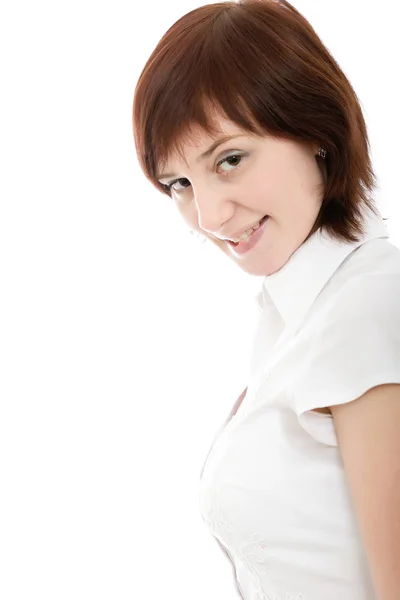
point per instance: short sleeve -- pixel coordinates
(355, 347)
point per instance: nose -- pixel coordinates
(214, 207)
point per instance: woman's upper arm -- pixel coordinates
(368, 433)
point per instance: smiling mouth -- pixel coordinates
(262, 221)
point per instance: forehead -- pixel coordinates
(196, 138)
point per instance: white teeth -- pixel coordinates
(247, 233)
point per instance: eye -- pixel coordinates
(237, 158)
(170, 186)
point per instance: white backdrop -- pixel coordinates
(124, 341)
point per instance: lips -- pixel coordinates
(245, 246)
(261, 221)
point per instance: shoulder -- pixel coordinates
(363, 296)
(354, 346)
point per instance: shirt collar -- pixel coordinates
(296, 285)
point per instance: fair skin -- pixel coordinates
(277, 177)
(267, 176)
(281, 178)
(368, 433)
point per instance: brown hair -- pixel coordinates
(260, 64)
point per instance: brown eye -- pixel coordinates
(170, 186)
(236, 158)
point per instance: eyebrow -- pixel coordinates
(207, 153)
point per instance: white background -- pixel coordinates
(124, 341)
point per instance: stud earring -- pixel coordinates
(322, 152)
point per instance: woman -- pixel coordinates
(243, 118)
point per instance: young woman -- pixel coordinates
(245, 120)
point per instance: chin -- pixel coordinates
(258, 269)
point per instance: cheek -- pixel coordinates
(263, 186)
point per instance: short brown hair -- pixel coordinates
(262, 66)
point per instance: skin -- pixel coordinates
(268, 176)
(283, 179)
(273, 177)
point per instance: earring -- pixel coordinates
(322, 152)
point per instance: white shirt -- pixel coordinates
(273, 489)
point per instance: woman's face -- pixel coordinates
(241, 181)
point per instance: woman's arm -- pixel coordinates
(368, 431)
